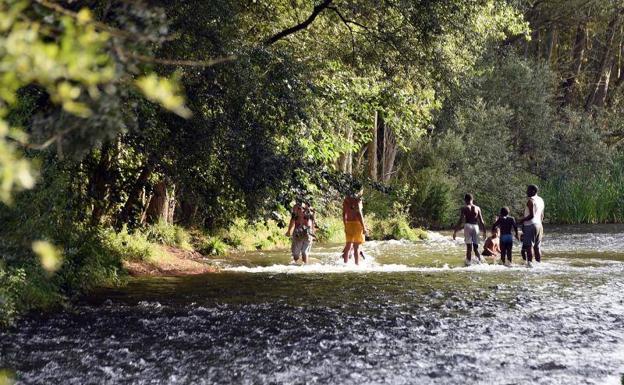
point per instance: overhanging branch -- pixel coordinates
(303, 25)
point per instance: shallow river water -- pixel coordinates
(411, 314)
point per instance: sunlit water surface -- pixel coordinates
(411, 314)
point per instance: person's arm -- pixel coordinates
(515, 227)
(291, 225)
(459, 222)
(314, 226)
(497, 223)
(361, 217)
(344, 211)
(531, 215)
(482, 224)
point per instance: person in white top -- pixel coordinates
(533, 230)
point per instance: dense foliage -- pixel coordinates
(214, 115)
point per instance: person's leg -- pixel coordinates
(503, 254)
(528, 242)
(475, 247)
(345, 251)
(468, 242)
(537, 250)
(295, 249)
(356, 253)
(305, 251)
(509, 252)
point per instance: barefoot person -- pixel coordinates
(355, 228)
(492, 245)
(302, 221)
(470, 216)
(507, 224)
(532, 226)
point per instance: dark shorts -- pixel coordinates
(532, 235)
(506, 240)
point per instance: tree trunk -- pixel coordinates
(159, 205)
(600, 86)
(130, 212)
(551, 46)
(381, 146)
(188, 210)
(359, 160)
(389, 154)
(617, 71)
(372, 150)
(349, 155)
(99, 184)
(172, 204)
(578, 53)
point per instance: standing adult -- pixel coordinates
(533, 229)
(470, 216)
(301, 230)
(353, 220)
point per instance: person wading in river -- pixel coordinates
(471, 216)
(506, 224)
(353, 221)
(302, 221)
(533, 230)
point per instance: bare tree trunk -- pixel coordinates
(389, 153)
(617, 71)
(133, 207)
(145, 202)
(349, 155)
(551, 44)
(172, 204)
(188, 209)
(597, 94)
(158, 208)
(372, 150)
(359, 160)
(578, 53)
(99, 184)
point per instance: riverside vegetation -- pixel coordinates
(127, 128)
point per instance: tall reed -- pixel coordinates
(595, 199)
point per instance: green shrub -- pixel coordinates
(330, 230)
(396, 227)
(213, 246)
(243, 235)
(11, 282)
(168, 234)
(24, 288)
(263, 244)
(131, 247)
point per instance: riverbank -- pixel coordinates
(94, 258)
(174, 262)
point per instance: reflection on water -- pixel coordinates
(409, 315)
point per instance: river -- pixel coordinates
(411, 314)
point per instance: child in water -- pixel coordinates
(506, 224)
(491, 248)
